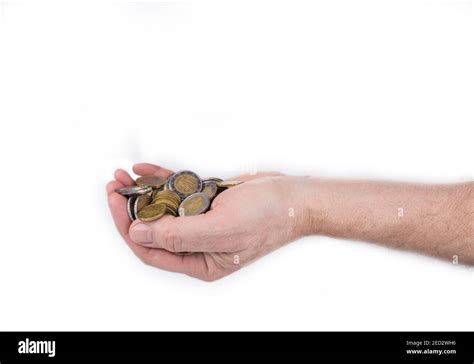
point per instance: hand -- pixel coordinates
(243, 224)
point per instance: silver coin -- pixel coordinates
(212, 179)
(209, 188)
(185, 183)
(150, 180)
(133, 190)
(195, 204)
(228, 183)
(130, 204)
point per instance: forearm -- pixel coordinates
(433, 219)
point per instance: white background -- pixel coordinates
(370, 89)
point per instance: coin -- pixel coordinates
(133, 190)
(168, 199)
(151, 212)
(194, 204)
(212, 179)
(170, 210)
(228, 184)
(166, 195)
(130, 210)
(209, 188)
(140, 202)
(181, 194)
(185, 183)
(151, 181)
(156, 191)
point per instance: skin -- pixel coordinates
(270, 210)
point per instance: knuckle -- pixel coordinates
(172, 240)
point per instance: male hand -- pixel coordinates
(244, 223)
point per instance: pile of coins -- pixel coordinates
(181, 194)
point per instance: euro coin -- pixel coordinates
(130, 207)
(151, 212)
(212, 179)
(151, 181)
(209, 188)
(194, 204)
(156, 191)
(133, 190)
(140, 202)
(168, 199)
(185, 183)
(166, 195)
(227, 184)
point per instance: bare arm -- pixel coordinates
(270, 210)
(436, 220)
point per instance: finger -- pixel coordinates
(124, 177)
(158, 258)
(193, 265)
(201, 233)
(112, 185)
(145, 168)
(118, 208)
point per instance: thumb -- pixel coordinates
(200, 233)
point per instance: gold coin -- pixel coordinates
(167, 195)
(151, 212)
(195, 204)
(151, 181)
(171, 211)
(156, 191)
(168, 198)
(185, 183)
(140, 202)
(227, 184)
(209, 188)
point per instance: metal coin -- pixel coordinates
(130, 210)
(140, 202)
(156, 191)
(133, 190)
(195, 204)
(168, 196)
(151, 181)
(151, 212)
(227, 184)
(171, 211)
(209, 188)
(212, 179)
(185, 183)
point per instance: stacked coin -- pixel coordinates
(183, 193)
(169, 199)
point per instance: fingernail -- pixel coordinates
(141, 234)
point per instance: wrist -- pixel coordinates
(304, 205)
